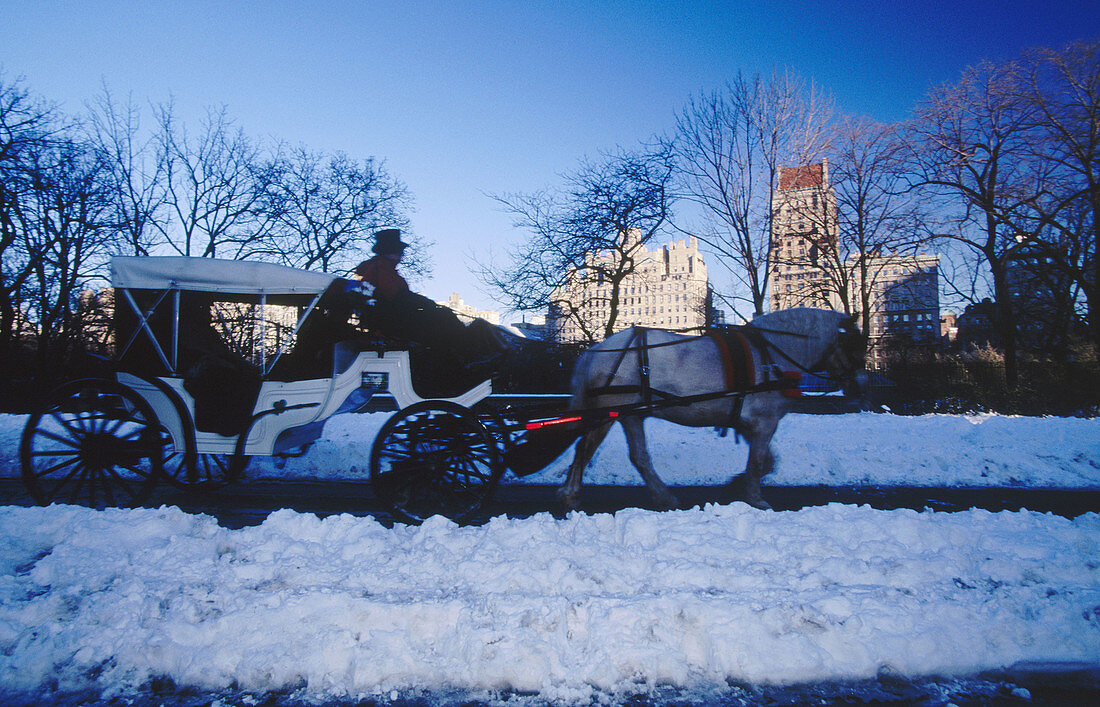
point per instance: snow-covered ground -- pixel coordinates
(576, 609)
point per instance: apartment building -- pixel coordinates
(1042, 297)
(467, 312)
(668, 290)
(905, 302)
(904, 289)
(804, 229)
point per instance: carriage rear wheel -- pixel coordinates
(434, 458)
(203, 472)
(95, 443)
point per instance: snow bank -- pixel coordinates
(564, 608)
(577, 608)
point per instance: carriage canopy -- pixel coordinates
(174, 310)
(214, 275)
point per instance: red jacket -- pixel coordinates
(381, 272)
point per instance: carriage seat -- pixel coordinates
(224, 389)
(345, 323)
(340, 319)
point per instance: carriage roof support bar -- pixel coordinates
(286, 343)
(143, 325)
(175, 329)
(263, 332)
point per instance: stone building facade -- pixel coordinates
(467, 312)
(905, 303)
(1042, 297)
(668, 289)
(904, 289)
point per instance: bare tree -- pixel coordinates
(215, 187)
(1062, 218)
(326, 208)
(27, 127)
(68, 230)
(731, 146)
(138, 172)
(969, 147)
(590, 231)
(875, 216)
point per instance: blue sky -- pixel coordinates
(467, 98)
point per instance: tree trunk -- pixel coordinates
(1092, 300)
(1006, 321)
(1092, 289)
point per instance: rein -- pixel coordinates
(765, 344)
(652, 399)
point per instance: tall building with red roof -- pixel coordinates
(804, 232)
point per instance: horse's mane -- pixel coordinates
(797, 318)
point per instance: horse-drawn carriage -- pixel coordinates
(217, 361)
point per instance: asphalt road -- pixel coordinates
(250, 502)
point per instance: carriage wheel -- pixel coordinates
(96, 443)
(203, 472)
(434, 458)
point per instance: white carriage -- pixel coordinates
(215, 361)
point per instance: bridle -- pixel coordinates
(846, 359)
(841, 362)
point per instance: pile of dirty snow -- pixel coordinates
(567, 609)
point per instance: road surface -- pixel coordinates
(250, 502)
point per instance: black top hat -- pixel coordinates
(388, 241)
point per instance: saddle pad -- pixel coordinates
(737, 357)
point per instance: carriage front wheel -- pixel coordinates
(95, 443)
(434, 458)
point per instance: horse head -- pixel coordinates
(845, 359)
(817, 340)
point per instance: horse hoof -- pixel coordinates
(668, 503)
(759, 503)
(569, 502)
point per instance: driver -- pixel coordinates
(402, 313)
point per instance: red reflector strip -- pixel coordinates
(561, 421)
(556, 421)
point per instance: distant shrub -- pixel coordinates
(973, 381)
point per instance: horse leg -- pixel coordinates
(639, 457)
(761, 462)
(759, 432)
(570, 491)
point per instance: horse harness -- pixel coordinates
(744, 372)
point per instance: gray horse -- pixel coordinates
(612, 373)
